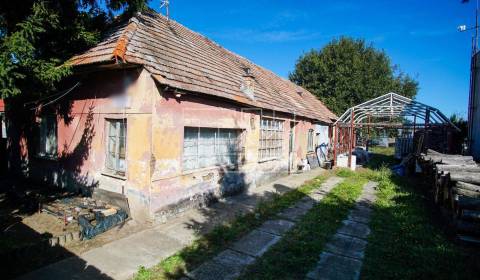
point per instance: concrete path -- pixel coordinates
(343, 255)
(230, 263)
(121, 259)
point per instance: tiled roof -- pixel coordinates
(183, 59)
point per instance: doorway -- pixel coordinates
(291, 148)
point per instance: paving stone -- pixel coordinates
(255, 243)
(355, 229)
(316, 196)
(293, 213)
(346, 246)
(306, 204)
(360, 215)
(227, 265)
(278, 227)
(335, 267)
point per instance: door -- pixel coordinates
(291, 148)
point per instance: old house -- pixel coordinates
(170, 119)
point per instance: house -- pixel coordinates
(170, 119)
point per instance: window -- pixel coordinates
(310, 145)
(116, 146)
(271, 139)
(47, 141)
(3, 126)
(205, 147)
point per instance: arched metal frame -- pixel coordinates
(393, 105)
(390, 105)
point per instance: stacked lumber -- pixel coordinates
(456, 188)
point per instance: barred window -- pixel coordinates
(116, 146)
(310, 145)
(271, 139)
(206, 147)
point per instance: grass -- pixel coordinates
(407, 239)
(217, 240)
(298, 251)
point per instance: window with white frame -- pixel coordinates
(116, 146)
(47, 136)
(310, 142)
(3, 126)
(271, 139)
(206, 147)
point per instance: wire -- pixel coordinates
(56, 99)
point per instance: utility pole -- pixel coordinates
(473, 66)
(166, 4)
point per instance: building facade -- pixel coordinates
(171, 120)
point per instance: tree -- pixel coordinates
(38, 36)
(347, 72)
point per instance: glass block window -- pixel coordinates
(271, 139)
(310, 144)
(116, 146)
(47, 141)
(207, 147)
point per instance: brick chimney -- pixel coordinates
(248, 83)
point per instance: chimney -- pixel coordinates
(248, 83)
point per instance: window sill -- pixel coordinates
(269, 159)
(45, 157)
(216, 167)
(112, 175)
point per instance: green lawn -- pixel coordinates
(218, 239)
(298, 251)
(408, 239)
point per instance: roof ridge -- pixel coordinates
(122, 42)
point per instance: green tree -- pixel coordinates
(347, 72)
(38, 36)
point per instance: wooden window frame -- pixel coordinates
(238, 154)
(116, 169)
(271, 139)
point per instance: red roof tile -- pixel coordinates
(180, 58)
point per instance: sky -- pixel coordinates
(420, 36)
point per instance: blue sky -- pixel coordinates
(419, 35)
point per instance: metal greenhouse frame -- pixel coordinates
(389, 106)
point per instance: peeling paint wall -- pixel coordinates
(174, 189)
(82, 138)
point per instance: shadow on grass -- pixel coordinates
(409, 238)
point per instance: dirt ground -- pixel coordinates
(25, 232)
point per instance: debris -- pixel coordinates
(102, 223)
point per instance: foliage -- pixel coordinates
(347, 72)
(38, 36)
(461, 123)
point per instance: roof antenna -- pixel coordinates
(166, 4)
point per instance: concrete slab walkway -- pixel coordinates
(343, 255)
(121, 259)
(230, 263)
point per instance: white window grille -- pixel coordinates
(47, 142)
(116, 146)
(3, 126)
(310, 145)
(271, 139)
(206, 147)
